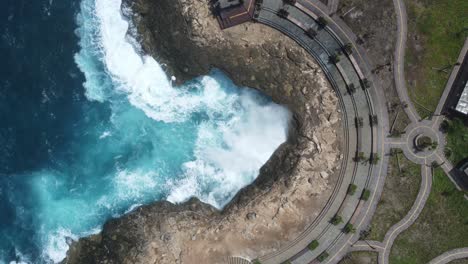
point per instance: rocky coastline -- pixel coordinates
(292, 186)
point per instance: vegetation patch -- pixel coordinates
(400, 190)
(323, 256)
(365, 195)
(457, 141)
(313, 245)
(441, 226)
(352, 189)
(349, 228)
(437, 31)
(336, 220)
(360, 258)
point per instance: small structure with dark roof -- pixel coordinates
(460, 174)
(456, 103)
(233, 12)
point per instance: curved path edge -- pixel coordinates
(449, 256)
(399, 64)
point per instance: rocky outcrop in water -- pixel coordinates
(292, 187)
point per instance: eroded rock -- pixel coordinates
(183, 35)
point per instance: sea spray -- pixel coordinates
(137, 139)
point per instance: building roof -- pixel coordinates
(457, 99)
(232, 13)
(462, 105)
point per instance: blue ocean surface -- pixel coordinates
(90, 127)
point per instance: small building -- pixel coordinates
(460, 173)
(456, 103)
(462, 105)
(233, 12)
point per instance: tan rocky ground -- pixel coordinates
(292, 187)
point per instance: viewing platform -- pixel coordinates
(233, 12)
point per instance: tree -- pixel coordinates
(334, 58)
(322, 256)
(374, 158)
(352, 189)
(349, 228)
(348, 49)
(313, 245)
(336, 220)
(365, 195)
(322, 22)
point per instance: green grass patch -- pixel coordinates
(364, 257)
(457, 141)
(439, 25)
(399, 192)
(441, 226)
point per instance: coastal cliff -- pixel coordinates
(292, 186)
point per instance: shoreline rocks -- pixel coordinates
(292, 186)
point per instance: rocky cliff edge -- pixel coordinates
(292, 186)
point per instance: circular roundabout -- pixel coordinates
(423, 142)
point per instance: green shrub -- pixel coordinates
(313, 245)
(359, 157)
(336, 220)
(256, 261)
(352, 189)
(365, 195)
(348, 48)
(374, 158)
(322, 22)
(322, 256)
(349, 228)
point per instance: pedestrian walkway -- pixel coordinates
(365, 121)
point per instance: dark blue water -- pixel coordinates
(41, 98)
(90, 128)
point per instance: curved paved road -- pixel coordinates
(459, 253)
(410, 218)
(299, 18)
(349, 70)
(417, 126)
(333, 6)
(399, 64)
(384, 248)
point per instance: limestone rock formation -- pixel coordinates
(292, 186)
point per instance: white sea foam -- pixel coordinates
(134, 185)
(236, 134)
(230, 154)
(57, 246)
(20, 258)
(105, 134)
